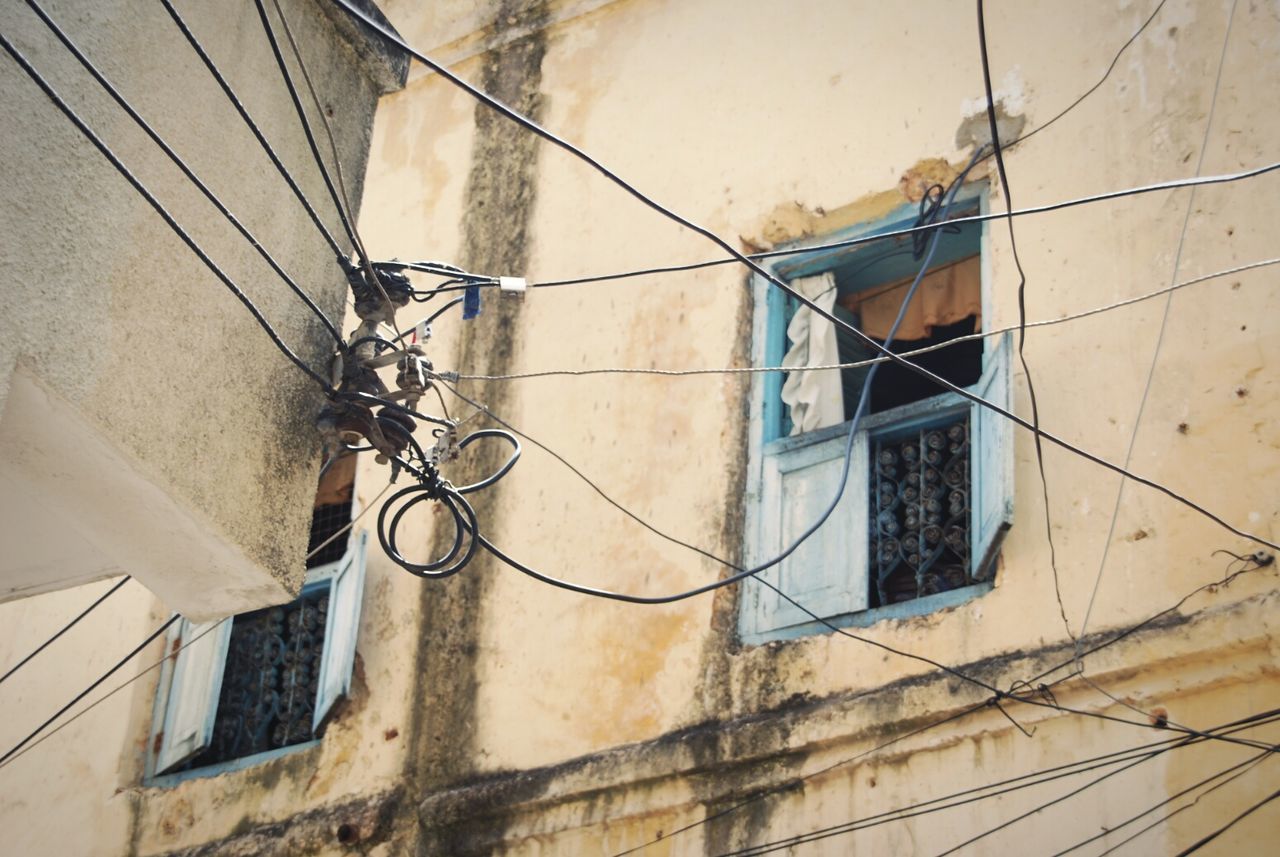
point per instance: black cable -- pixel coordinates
(798, 782)
(1230, 824)
(392, 37)
(464, 521)
(379, 344)
(67, 627)
(997, 694)
(586, 479)
(997, 151)
(1173, 184)
(433, 488)
(1259, 563)
(253, 127)
(186, 170)
(1168, 815)
(108, 673)
(1112, 828)
(399, 337)
(1060, 799)
(441, 311)
(1189, 739)
(1000, 788)
(1106, 74)
(742, 574)
(102, 147)
(501, 471)
(347, 225)
(870, 342)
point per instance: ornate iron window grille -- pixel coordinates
(271, 680)
(920, 522)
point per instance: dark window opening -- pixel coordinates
(332, 513)
(895, 385)
(327, 520)
(946, 306)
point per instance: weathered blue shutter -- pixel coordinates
(194, 686)
(828, 572)
(338, 657)
(991, 436)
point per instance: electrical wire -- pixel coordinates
(1247, 765)
(998, 152)
(1230, 824)
(1061, 799)
(339, 194)
(347, 226)
(984, 334)
(1260, 562)
(82, 712)
(800, 781)
(965, 797)
(1051, 803)
(1161, 330)
(253, 127)
(168, 218)
(772, 279)
(185, 169)
(1173, 184)
(481, 408)
(82, 694)
(1106, 74)
(712, 237)
(997, 694)
(67, 627)
(1193, 735)
(740, 574)
(759, 256)
(1186, 806)
(1153, 717)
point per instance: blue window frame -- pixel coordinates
(889, 549)
(197, 730)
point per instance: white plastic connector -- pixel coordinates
(515, 287)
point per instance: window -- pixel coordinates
(266, 680)
(929, 493)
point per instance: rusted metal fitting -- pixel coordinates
(370, 304)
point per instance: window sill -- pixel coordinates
(163, 781)
(902, 417)
(866, 618)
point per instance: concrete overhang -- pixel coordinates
(75, 508)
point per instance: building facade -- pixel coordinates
(990, 643)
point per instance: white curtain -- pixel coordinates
(815, 399)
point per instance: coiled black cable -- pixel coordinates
(432, 487)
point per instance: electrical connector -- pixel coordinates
(513, 287)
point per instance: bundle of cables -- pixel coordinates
(432, 487)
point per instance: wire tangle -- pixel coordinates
(432, 487)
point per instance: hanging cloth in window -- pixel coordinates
(945, 296)
(816, 399)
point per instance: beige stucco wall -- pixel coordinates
(754, 121)
(531, 721)
(198, 430)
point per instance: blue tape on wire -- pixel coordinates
(471, 302)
